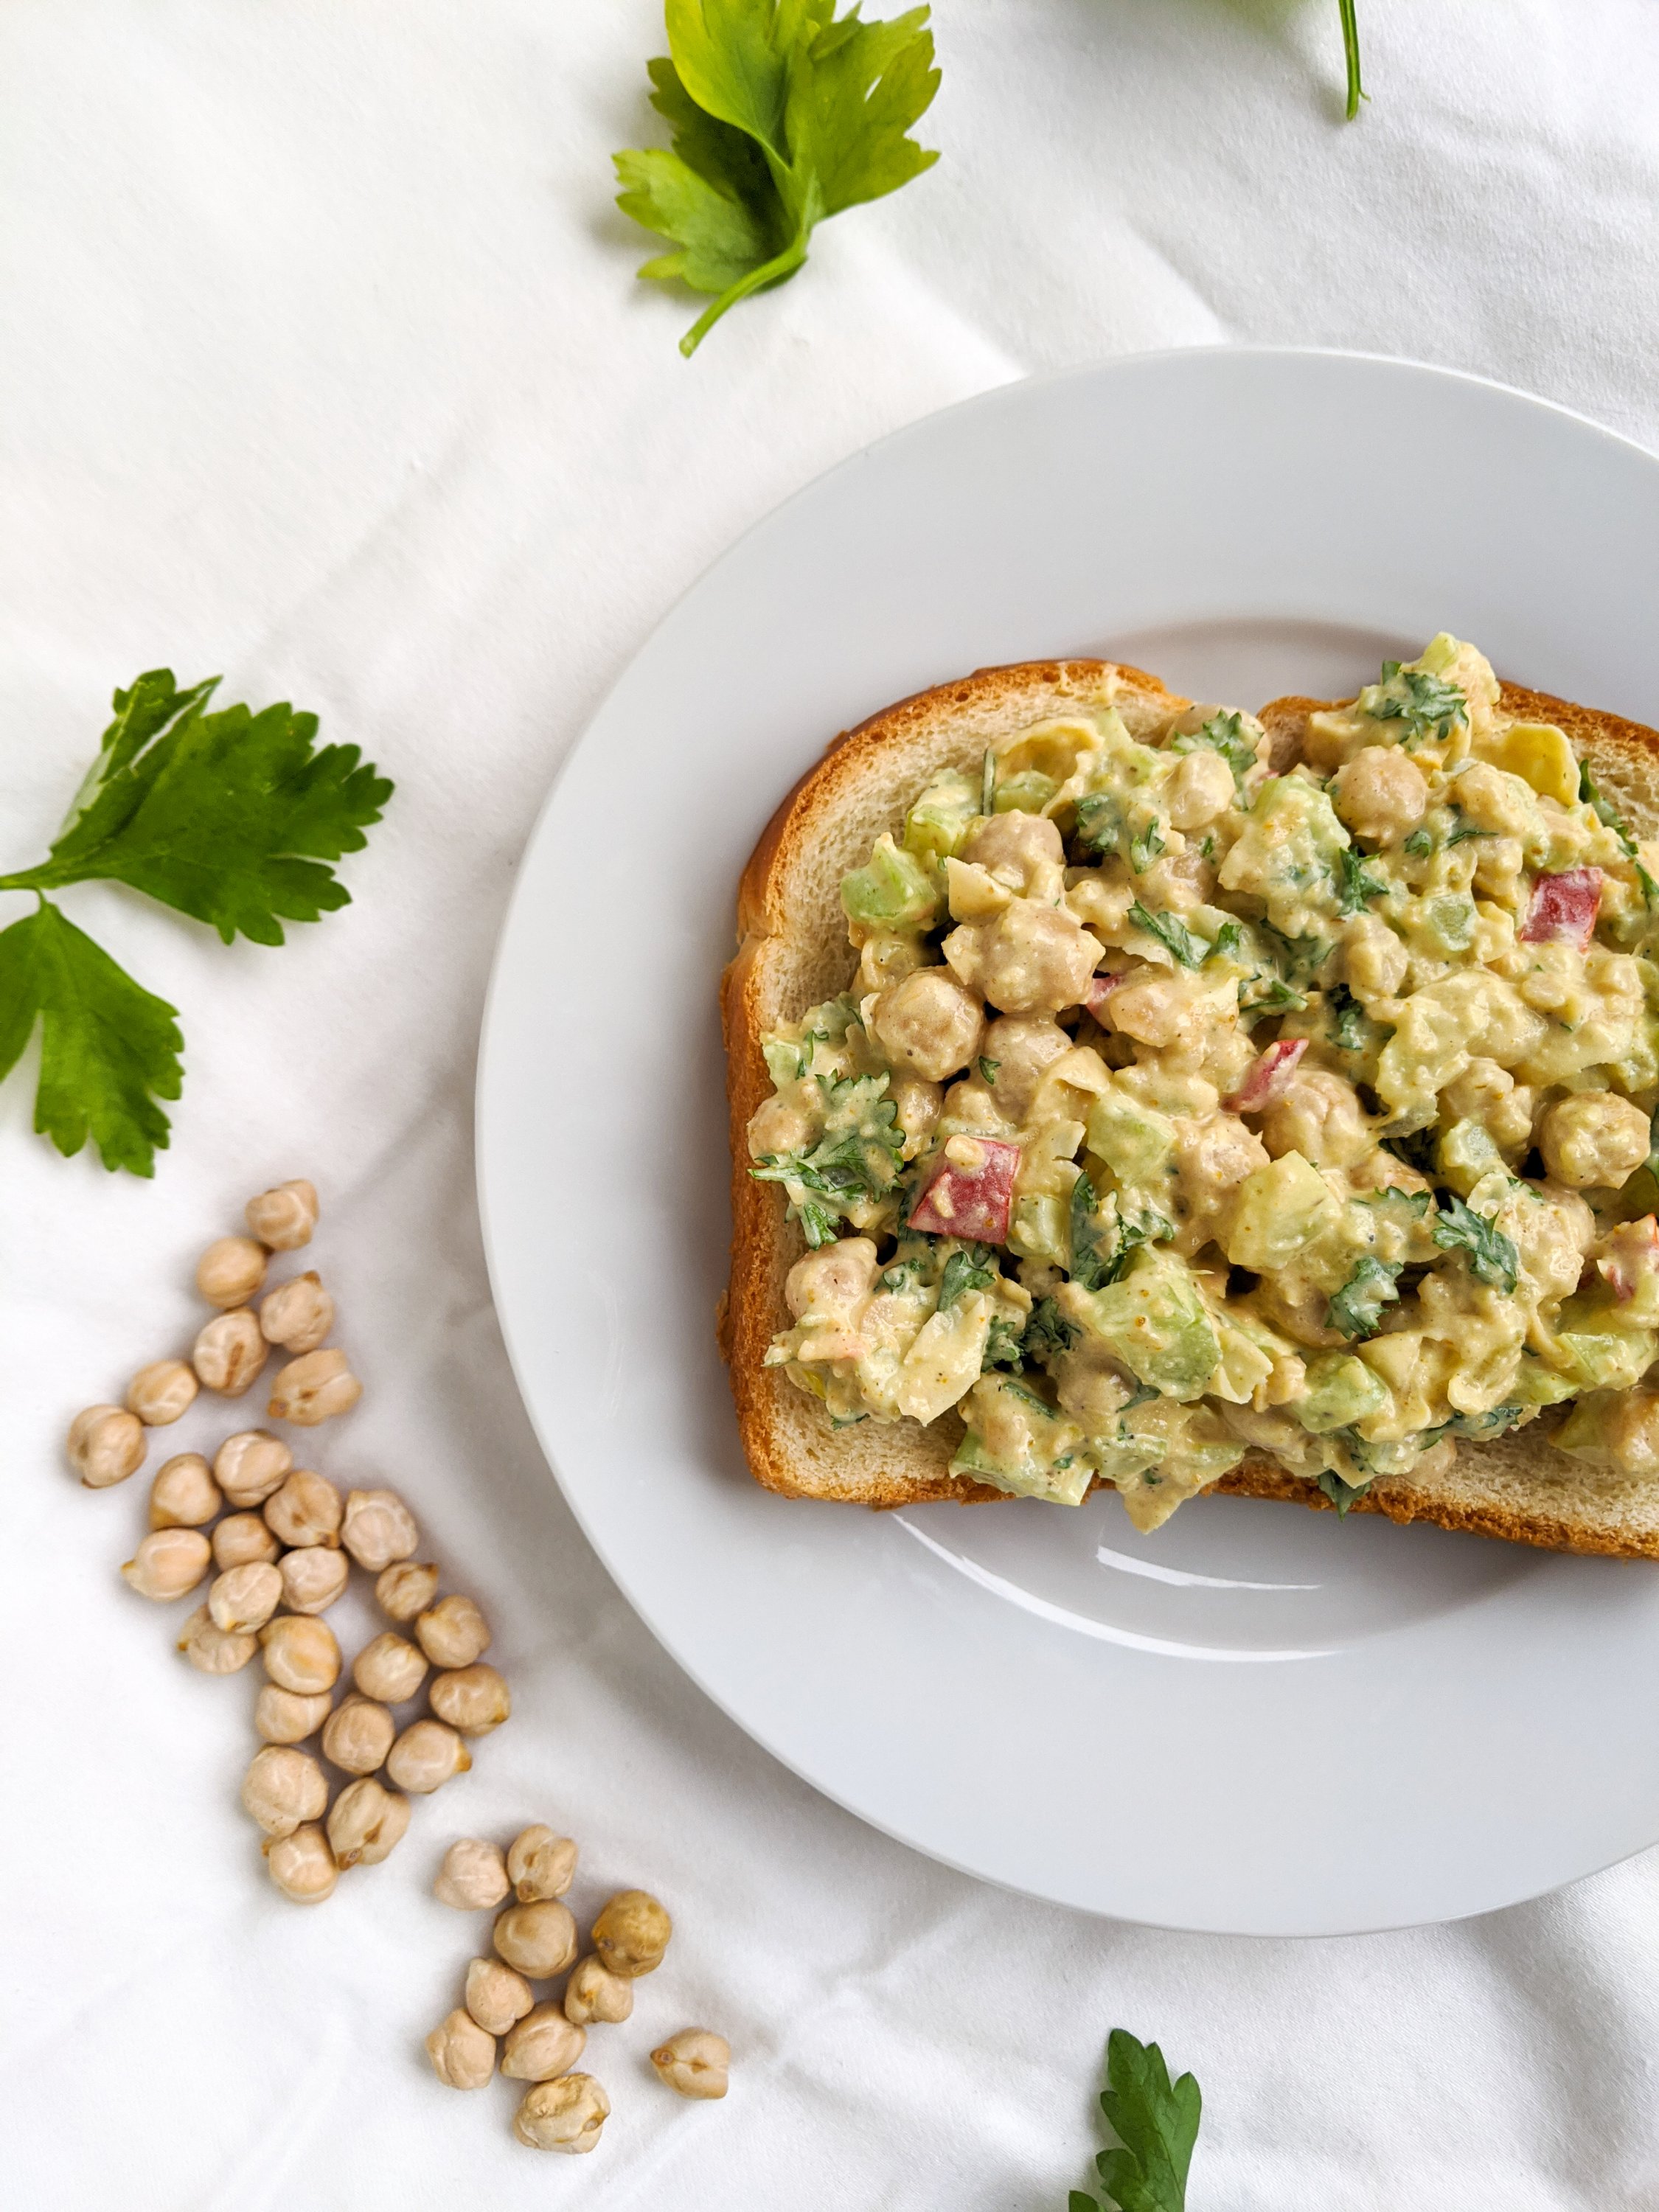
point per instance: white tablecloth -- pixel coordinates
(325, 366)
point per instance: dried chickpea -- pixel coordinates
(162, 1393)
(403, 1589)
(473, 1876)
(541, 1863)
(242, 1599)
(366, 1823)
(302, 1865)
(632, 1933)
(474, 1699)
(378, 1529)
(300, 1653)
(168, 1564)
(463, 2056)
(307, 1510)
(250, 1465)
(564, 2115)
(284, 1218)
(286, 1717)
(242, 1540)
(228, 1353)
(297, 1314)
(107, 1444)
(284, 1789)
(210, 1650)
(593, 1992)
(358, 1736)
(453, 1633)
(539, 1940)
(389, 1669)
(495, 1995)
(230, 1271)
(313, 1578)
(542, 2044)
(184, 1494)
(425, 1756)
(313, 1388)
(694, 2063)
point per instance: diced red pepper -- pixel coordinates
(1633, 1251)
(1094, 997)
(1564, 908)
(1270, 1071)
(972, 1202)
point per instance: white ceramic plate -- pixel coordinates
(1261, 1720)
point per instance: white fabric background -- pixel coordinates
(324, 364)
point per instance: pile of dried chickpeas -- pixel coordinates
(535, 1940)
(280, 1556)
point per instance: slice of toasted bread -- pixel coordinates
(793, 952)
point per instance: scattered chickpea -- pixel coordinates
(564, 2115)
(286, 1717)
(631, 1934)
(307, 1510)
(593, 1992)
(284, 1218)
(539, 1940)
(389, 1669)
(403, 1589)
(366, 1823)
(300, 1653)
(313, 1578)
(162, 1393)
(358, 1736)
(463, 2056)
(314, 1388)
(495, 1995)
(425, 1756)
(541, 1863)
(168, 1564)
(242, 1540)
(297, 1314)
(184, 1494)
(473, 1876)
(250, 1465)
(302, 1865)
(228, 1353)
(107, 1444)
(282, 1789)
(542, 2044)
(378, 1529)
(242, 1599)
(453, 1634)
(694, 2063)
(213, 1650)
(474, 1699)
(230, 1271)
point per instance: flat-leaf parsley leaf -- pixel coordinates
(1155, 2122)
(1491, 1255)
(781, 113)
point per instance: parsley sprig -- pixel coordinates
(1491, 1255)
(233, 818)
(1155, 2122)
(781, 113)
(1356, 1308)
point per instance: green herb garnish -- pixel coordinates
(1356, 1308)
(1173, 935)
(965, 1270)
(233, 818)
(1222, 733)
(856, 1159)
(1463, 829)
(1088, 1265)
(1428, 707)
(1356, 91)
(987, 1069)
(1005, 1347)
(781, 113)
(1354, 888)
(1145, 846)
(1341, 1494)
(1155, 2122)
(1420, 844)
(1603, 809)
(1491, 1256)
(1047, 1333)
(1348, 1020)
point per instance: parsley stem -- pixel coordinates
(769, 272)
(1356, 91)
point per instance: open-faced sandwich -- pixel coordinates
(1130, 1092)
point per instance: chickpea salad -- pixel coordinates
(1186, 1103)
